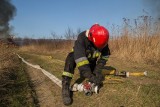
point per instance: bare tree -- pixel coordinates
(69, 34)
(54, 35)
(77, 32)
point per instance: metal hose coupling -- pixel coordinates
(88, 88)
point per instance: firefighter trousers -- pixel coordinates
(70, 66)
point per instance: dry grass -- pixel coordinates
(15, 90)
(134, 91)
(138, 49)
(141, 49)
(46, 46)
(137, 41)
(140, 44)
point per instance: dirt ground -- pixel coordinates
(47, 92)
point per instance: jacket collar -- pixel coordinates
(87, 32)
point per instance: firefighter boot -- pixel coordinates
(66, 94)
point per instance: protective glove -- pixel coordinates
(100, 76)
(92, 78)
(97, 81)
(98, 73)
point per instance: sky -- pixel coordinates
(39, 18)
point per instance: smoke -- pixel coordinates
(7, 12)
(154, 5)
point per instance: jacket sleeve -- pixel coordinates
(80, 57)
(105, 53)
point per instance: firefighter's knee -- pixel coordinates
(70, 63)
(67, 74)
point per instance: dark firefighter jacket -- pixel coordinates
(87, 56)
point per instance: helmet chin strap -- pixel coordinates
(94, 40)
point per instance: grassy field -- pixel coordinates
(15, 85)
(134, 49)
(132, 92)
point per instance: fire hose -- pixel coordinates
(88, 88)
(124, 73)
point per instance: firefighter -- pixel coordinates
(90, 54)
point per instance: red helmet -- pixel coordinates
(99, 35)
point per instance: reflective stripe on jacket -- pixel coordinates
(85, 53)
